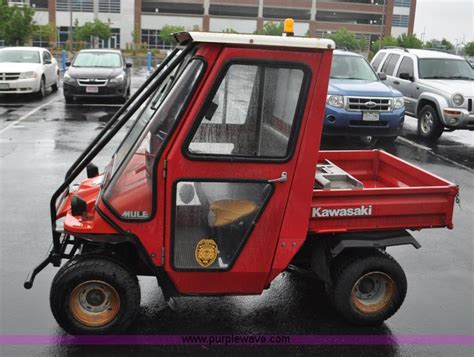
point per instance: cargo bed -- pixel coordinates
(373, 190)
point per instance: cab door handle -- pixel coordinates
(282, 178)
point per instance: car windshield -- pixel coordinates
(97, 59)
(19, 56)
(445, 68)
(352, 67)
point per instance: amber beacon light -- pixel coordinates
(288, 27)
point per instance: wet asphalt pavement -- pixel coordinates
(39, 139)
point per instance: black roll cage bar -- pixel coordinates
(56, 252)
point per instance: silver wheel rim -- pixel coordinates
(42, 88)
(427, 122)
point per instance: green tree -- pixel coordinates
(345, 39)
(229, 30)
(384, 42)
(167, 31)
(16, 23)
(409, 41)
(44, 31)
(271, 28)
(444, 44)
(94, 28)
(469, 49)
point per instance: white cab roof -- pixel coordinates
(256, 40)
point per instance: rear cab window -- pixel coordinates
(390, 63)
(378, 60)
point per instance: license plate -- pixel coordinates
(92, 89)
(4, 86)
(370, 116)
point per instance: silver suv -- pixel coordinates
(438, 88)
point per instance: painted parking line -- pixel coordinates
(429, 150)
(27, 115)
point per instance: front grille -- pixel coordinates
(9, 76)
(100, 82)
(366, 104)
(469, 105)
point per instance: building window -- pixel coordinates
(152, 38)
(172, 7)
(230, 10)
(403, 3)
(400, 20)
(282, 13)
(77, 5)
(110, 6)
(39, 4)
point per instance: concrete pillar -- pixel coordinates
(260, 16)
(206, 18)
(52, 20)
(411, 24)
(388, 18)
(137, 23)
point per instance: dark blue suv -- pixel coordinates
(359, 103)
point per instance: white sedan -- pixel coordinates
(27, 70)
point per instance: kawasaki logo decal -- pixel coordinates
(342, 212)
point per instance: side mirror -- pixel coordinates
(406, 76)
(382, 76)
(128, 65)
(46, 61)
(68, 63)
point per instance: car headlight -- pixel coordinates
(398, 102)
(30, 74)
(67, 78)
(335, 100)
(458, 100)
(118, 79)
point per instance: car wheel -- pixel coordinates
(367, 289)
(68, 99)
(55, 86)
(429, 125)
(94, 295)
(42, 89)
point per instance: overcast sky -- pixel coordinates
(451, 19)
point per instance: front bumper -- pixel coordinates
(110, 90)
(339, 121)
(458, 118)
(27, 85)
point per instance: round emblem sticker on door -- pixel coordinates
(206, 252)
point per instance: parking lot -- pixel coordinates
(39, 139)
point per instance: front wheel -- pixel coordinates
(42, 89)
(94, 295)
(429, 125)
(368, 289)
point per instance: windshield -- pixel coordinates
(352, 67)
(130, 192)
(97, 59)
(445, 68)
(19, 56)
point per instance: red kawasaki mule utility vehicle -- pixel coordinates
(219, 186)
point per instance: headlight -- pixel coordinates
(67, 78)
(335, 100)
(458, 100)
(118, 79)
(30, 74)
(398, 102)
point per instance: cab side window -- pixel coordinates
(390, 64)
(406, 67)
(252, 114)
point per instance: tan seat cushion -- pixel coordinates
(230, 211)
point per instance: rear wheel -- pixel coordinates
(94, 295)
(367, 289)
(429, 125)
(55, 86)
